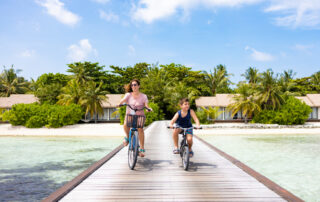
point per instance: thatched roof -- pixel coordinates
(223, 100)
(7, 102)
(112, 101)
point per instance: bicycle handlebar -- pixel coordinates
(174, 127)
(135, 109)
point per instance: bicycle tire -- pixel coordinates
(133, 150)
(185, 157)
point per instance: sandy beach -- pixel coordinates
(115, 129)
(100, 129)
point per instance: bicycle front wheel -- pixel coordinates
(133, 150)
(185, 157)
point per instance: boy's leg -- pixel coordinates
(175, 137)
(190, 141)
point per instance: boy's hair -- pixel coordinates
(183, 100)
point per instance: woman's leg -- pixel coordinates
(141, 138)
(126, 130)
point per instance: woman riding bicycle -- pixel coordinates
(138, 100)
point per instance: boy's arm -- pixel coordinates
(195, 118)
(173, 120)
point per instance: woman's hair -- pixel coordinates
(128, 86)
(183, 100)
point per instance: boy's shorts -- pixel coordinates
(189, 131)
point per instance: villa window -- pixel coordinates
(314, 113)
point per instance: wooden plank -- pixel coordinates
(160, 176)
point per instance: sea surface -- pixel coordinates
(31, 168)
(292, 161)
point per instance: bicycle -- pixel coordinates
(134, 122)
(184, 147)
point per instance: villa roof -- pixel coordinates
(112, 101)
(306, 100)
(315, 99)
(221, 100)
(7, 102)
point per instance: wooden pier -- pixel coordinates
(212, 176)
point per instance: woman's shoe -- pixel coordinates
(191, 154)
(141, 152)
(125, 141)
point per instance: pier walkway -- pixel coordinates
(160, 176)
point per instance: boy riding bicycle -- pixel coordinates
(183, 119)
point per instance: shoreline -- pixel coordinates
(116, 130)
(85, 129)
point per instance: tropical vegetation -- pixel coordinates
(259, 96)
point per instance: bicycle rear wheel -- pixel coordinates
(185, 157)
(133, 149)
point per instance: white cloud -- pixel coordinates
(296, 13)
(259, 56)
(301, 47)
(132, 50)
(28, 53)
(81, 51)
(110, 17)
(101, 1)
(151, 10)
(56, 9)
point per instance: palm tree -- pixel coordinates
(10, 83)
(79, 72)
(252, 75)
(92, 99)
(268, 91)
(71, 93)
(244, 102)
(287, 84)
(218, 80)
(212, 112)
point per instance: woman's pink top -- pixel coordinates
(138, 102)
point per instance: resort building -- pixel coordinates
(223, 100)
(109, 109)
(109, 106)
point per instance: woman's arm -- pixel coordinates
(124, 99)
(173, 120)
(195, 118)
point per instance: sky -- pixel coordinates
(43, 36)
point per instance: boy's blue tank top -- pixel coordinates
(184, 122)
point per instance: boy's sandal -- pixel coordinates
(125, 141)
(141, 152)
(191, 153)
(176, 151)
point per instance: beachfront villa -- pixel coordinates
(109, 106)
(223, 100)
(220, 100)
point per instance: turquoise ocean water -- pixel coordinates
(31, 168)
(292, 161)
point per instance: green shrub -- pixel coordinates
(155, 115)
(293, 112)
(35, 122)
(36, 116)
(202, 116)
(265, 117)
